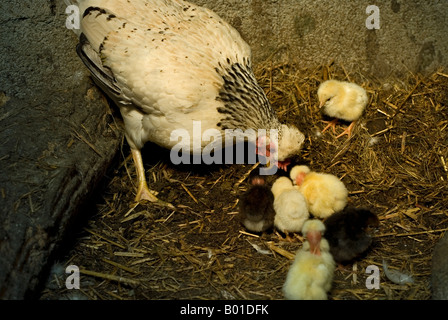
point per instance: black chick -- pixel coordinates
(348, 233)
(256, 206)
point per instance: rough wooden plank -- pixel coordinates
(57, 139)
(43, 189)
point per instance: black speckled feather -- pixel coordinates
(244, 100)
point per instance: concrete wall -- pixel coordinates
(412, 36)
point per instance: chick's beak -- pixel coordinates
(314, 238)
(300, 177)
(321, 104)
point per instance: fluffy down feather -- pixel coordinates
(310, 275)
(348, 233)
(325, 194)
(256, 206)
(342, 100)
(290, 206)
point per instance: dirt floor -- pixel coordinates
(394, 164)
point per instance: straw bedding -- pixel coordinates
(394, 164)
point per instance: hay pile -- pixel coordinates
(394, 163)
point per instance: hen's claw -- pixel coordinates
(143, 192)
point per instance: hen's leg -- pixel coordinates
(143, 192)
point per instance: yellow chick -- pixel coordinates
(325, 194)
(342, 100)
(311, 274)
(290, 206)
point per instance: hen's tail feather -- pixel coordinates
(104, 77)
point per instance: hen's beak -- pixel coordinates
(263, 146)
(267, 149)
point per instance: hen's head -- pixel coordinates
(286, 144)
(290, 142)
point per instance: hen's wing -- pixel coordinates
(168, 59)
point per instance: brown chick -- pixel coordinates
(256, 206)
(348, 233)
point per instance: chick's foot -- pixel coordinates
(331, 124)
(348, 131)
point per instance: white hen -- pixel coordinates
(290, 206)
(342, 100)
(167, 63)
